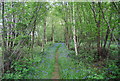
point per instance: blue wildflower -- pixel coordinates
(77, 71)
(84, 77)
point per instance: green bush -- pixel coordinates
(113, 47)
(21, 69)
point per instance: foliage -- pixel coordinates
(38, 67)
(84, 67)
(32, 33)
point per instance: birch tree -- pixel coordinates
(73, 28)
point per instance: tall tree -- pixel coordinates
(74, 28)
(97, 21)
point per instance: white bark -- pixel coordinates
(74, 31)
(75, 42)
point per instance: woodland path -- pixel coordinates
(49, 67)
(56, 67)
(61, 51)
(55, 74)
(62, 60)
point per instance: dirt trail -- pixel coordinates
(56, 68)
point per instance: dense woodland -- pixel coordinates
(82, 39)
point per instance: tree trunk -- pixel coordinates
(98, 39)
(74, 31)
(33, 34)
(66, 35)
(34, 24)
(4, 46)
(66, 25)
(44, 35)
(45, 31)
(52, 33)
(98, 28)
(111, 38)
(108, 27)
(75, 42)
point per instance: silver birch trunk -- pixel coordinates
(74, 31)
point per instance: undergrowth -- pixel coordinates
(40, 64)
(37, 66)
(84, 67)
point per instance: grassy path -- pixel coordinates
(47, 66)
(56, 68)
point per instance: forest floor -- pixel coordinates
(57, 62)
